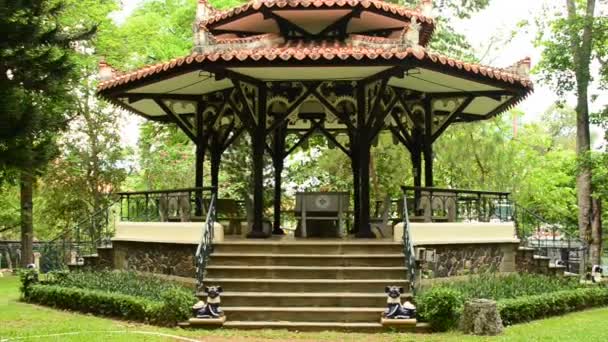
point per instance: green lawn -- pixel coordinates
(21, 321)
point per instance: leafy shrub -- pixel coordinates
(174, 308)
(441, 307)
(129, 283)
(497, 287)
(28, 278)
(118, 294)
(528, 308)
(97, 302)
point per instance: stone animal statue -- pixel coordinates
(596, 274)
(211, 309)
(396, 310)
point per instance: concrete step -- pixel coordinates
(304, 314)
(323, 326)
(263, 259)
(305, 285)
(300, 299)
(309, 247)
(306, 272)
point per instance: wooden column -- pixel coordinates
(258, 140)
(277, 161)
(363, 145)
(199, 160)
(354, 162)
(428, 144)
(216, 158)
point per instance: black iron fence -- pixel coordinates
(181, 205)
(559, 243)
(457, 205)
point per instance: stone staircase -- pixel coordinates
(305, 285)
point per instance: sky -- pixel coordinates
(500, 18)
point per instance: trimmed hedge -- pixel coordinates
(174, 303)
(96, 302)
(524, 309)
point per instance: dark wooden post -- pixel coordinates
(199, 160)
(428, 144)
(258, 144)
(354, 162)
(216, 159)
(362, 149)
(277, 161)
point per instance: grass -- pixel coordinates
(25, 322)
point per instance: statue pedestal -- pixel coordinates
(207, 321)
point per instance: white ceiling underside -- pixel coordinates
(422, 80)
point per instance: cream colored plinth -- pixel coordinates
(207, 321)
(165, 232)
(458, 233)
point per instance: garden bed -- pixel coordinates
(125, 295)
(520, 297)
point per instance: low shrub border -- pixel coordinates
(528, 308)
(172, 307)
(442, 306)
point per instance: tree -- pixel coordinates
(575, 39)
(36, 73)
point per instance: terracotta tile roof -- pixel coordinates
(306, 51)
(256, 5)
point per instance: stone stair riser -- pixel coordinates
(306, 261)
(303, 301)
(259, 285)
(305, 274)
(305, 316)
(309, 249)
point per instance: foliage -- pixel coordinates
(117, 294)
(441, 307)
(128, 283)
(28, 278)
(97, 302)
(524, 309)
(497, 287)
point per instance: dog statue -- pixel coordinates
(596, 274)
(396, 310)
(211, 309)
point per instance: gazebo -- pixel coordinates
(350, 68)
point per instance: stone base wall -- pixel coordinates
(464, 259)
(162, 258)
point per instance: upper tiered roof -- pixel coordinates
(322, 40)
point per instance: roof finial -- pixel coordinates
(106, 72)
(521, 68)
(426, 8)
(202, 36)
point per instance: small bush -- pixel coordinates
(28, 278)
(96, 302)
(529, 308)
(129, 283)
(497, 287)
(441, 307)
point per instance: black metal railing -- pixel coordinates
(183, 205)
(457, 205)
(559, 243)
(81, 239)
(205, 247)
(408, 249)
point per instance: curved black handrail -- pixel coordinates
(205, 247)
(408, 249)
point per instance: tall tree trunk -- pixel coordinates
(581, 47)
(595, 250)
(27, 226)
